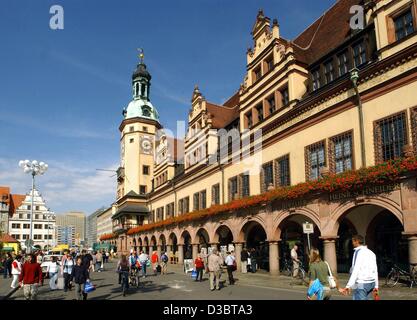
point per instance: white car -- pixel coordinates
(46, 261)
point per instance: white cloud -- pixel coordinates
(64, 186)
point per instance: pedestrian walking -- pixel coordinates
(199, 267)
(93, 262)
(164, 263)
(295, 261)
(66, 270)
(363, 273)
(16, 270)
(231, 266)
(87, 260)
(244, 260)
(52, 271)
(31, 278)
(143, 260)
(215, 263)
(107, 256)
(80, 276)
(123, 270)
(99, 259)
(253, 260)
(155, 262)
(319, 269)
(8, 266)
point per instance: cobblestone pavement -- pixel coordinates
(179, 286)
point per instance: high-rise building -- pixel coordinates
(92, 227)
(76, 219)
(65, 235)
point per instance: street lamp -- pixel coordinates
(354, 76)
(34, 168)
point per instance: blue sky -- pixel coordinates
(62, 91)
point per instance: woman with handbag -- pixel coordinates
(320, 270)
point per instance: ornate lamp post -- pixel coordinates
(354, 76)
(34, 168)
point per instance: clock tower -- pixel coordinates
(137, 141)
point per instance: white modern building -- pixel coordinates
(19, 223)
(104, 222)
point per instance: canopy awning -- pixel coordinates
(7, 249)
(131, 209)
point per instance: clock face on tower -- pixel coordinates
(146, 146)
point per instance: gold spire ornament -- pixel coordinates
(141, 54)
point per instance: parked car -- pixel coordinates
(46, 261)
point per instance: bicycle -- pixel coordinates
(289, 271)
(125, 281)
(134, 277)
(286, 269)
(396, 273)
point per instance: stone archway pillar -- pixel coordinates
(159, 249)
(412, 248)
(273, 258)
(180, 254)
(195, 251)
(329, 246)
(238, 251)
(168, 249)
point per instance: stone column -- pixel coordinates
(195, 251)
(412, 249)
(238, 251)
(273, 258)
(158, 249)
(329, 245)
(180, 253)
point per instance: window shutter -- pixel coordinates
(262, 179)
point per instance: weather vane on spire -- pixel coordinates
(141, 54)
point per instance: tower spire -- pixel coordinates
(141, 55)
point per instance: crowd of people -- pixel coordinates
(74, 267)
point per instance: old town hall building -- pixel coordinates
(330, 124)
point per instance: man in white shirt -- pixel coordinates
(143, 260)
(230, 263)
(364, 271)
(295, 261)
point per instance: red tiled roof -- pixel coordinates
(326, 33)
(223, 115)
(16, 202)
(8, 239)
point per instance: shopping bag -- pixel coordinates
(148, 263)
(315, 289)
(89, 287)
(60, 283)
(194, 274)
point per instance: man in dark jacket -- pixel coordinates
(244, 260)
(79, 276)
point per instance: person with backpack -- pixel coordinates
(164, 263)
(66, 270)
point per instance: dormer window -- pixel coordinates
(343, 62)
(316, 79)
(146, 111)
(329, 71)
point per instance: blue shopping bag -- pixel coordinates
(194, 274)
(316, 288)
(89, 287)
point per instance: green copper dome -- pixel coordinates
(142, 109)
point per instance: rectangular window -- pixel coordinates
(25, 236)
(16, 236)
(340, 153)
(196, 202)
(269, 63)
(316, 160)
(245, 185)
(215, 194)
(249, 120)
(390, 137)
(285, 97)
(257, 74)
(203, 199)
(187, 205)
(404, 25)
(145, 129)
(131, 128)
(131, 140)
(316, 79)
(20, 216)
(260, 112)
(181, 206)
(36, 216)
(233, 188)
(145, 170)
(343, 63)
(45, 237)
(37, 208)
(268, 176)
(26, 226)
(271, 104)
(142, 189)
(29, 207)
(359, 54)
(329, 71)
(283, 167)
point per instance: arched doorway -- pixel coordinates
(224, 238)
(291, 229)
(255, 239)
(382, 231)
(146, 245)
(153, 244)
(187, 248)
(134, 245)
(163, 243)
(173, 241)
(202, 239)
